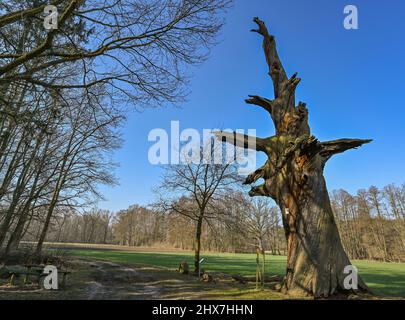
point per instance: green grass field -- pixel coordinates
(386, 279)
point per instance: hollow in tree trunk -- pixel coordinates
(293, 177)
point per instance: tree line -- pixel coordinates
(371, 224)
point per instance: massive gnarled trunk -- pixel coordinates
(293, 177)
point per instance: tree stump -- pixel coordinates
(207, 277)
(183, 267)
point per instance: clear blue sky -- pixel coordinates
(353, 82)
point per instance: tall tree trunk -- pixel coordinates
(197, 244)
(315, 255)
(18, 232)
(45, 226)
(16, 236)
(17, 194)
(61, 228)
(294, 178)
(63, 171)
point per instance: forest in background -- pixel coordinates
(371, 225)
(60, 125)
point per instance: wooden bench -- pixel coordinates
(64, 277)
(26, 275)
(36, 271)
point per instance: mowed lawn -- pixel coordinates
(386, 279)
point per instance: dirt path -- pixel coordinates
(114, 281)
(100, 280)
(104, 280)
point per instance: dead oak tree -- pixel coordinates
(293, 177)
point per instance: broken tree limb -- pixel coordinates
(254, 176)
(276, 69)
(259, 101)
(330, 148)
(241, 140)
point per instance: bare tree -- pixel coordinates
(350, 223)
(195, 190)
(395, 199)
(63, 94)
(294, 178)
(142, 45)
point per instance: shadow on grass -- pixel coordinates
(387, 279)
